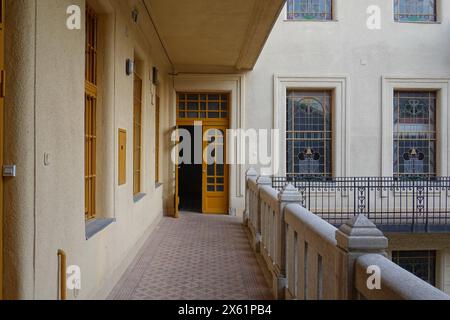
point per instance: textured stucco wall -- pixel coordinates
(45, 115)
(19, 149)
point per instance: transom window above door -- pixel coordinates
(415, 10)
(309, 133)
(202, 106)
(415, 133)
(309, 10)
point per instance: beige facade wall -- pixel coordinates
(362, 67)
(45, 118)
(313, 54)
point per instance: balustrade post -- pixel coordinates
(357, 237)
(251, 173)
(287, 196)
(261, 181)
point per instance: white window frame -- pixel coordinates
(442, 87)
(339, 86)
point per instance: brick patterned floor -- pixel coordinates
(196, 257)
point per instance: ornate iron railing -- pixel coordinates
(395, 205)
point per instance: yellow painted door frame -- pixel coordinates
(2, 104)
(213, 202)
(176, 195)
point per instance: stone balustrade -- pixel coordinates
(310, 259)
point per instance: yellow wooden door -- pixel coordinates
(215, 171)
(2, 96)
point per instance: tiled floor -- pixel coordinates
(196, 257)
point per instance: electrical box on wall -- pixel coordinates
(122, 157)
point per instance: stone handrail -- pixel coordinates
(395, 282)
(308, 258)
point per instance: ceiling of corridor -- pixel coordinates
(213, 36)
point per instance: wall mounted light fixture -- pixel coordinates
(129, 68)
(135, 15)
(155, 76)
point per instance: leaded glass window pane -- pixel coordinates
(414, 134)
(420, 263)
(203, 106)
(415, 10)
(308, 133)
(309, 10)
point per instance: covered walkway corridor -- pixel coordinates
(196, 257)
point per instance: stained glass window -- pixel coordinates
(308, 133)
(415, 10)
(309, 10)
(414, 133)
(420, 263)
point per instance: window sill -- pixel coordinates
(292, 20)
(139, 197)
(95, 226)
(419, 22)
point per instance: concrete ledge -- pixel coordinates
(139, 197)
(95, 226)
(396, 283)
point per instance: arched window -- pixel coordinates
(309, 133)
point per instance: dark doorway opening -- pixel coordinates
(190, 180)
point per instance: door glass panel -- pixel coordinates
(216, 167)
